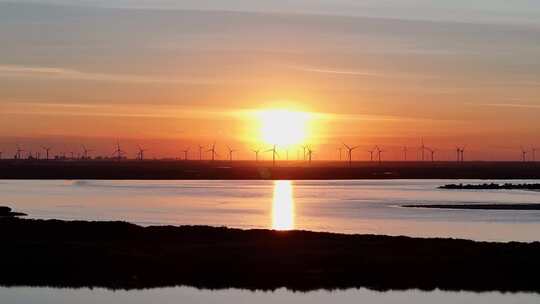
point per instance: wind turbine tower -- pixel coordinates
(274, 154)
(432, 152)
(213, 151)
(18, 153)
(185, 151)
(200, 152)
(349, 152)
(523, 154)
(47, 150)
(404, 150)
(231, 151)
(256, 154)
(118, 152)
(379, 153)
(85, 152)
(140, 154)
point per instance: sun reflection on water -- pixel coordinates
(283, 206)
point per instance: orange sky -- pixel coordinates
(175, 78)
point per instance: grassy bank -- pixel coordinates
(123, 255)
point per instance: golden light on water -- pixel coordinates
(283, 206)
(283, 127)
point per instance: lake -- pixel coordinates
(359, 206)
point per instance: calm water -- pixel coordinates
(337, 206)
(187, 295)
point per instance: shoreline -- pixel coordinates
(263, 170)
(478, 206)
(119, 255)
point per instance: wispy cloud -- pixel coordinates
(64, 73)
(357, 73)
(509, 105)
(103, 110)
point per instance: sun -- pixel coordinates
(283, 127)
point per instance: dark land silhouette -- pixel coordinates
(7, 212)
(479, 206)
(492, 186)
(176, 169)
(120, 255)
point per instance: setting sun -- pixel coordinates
(283, 127)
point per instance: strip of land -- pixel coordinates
(492, 186)
(479, 206)
(120, 255)
(242, 170)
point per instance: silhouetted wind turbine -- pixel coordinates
(371, 154)
(533, 150)
(523, 154)
(213, 151)
(404, 150)
(379, 152)
(231, 151)
(340, 150)
(256, 154)
(432, 151)
(185, 151)
(274, 154)
(460, 152)
(47, 149)
(304, 147)
(18, 153)
(310, 154)
(423, 149)
(118, 152)
(140, 154)
(85, 152)
(349, 152)
(200, 151)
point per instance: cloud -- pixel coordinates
(509, 105)
(358, 73)
(63, 73)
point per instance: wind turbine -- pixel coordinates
(231, 151)
(85, 152)
(379, 152)
(213, 150)
(304, 147)
(432, 151)
(18, 154)
(349, 152)
(533, 150)
(423, 149)
(371, 154)
(200, 151)
(185, 151)
(460, 151)
(118, 152)
(404, 150)
(340, 149)
(310, 154)
(140, 154)
(523, 154)
(256, 151)
(47, 149)
(274, 153)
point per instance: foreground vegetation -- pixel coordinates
(122, 255)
